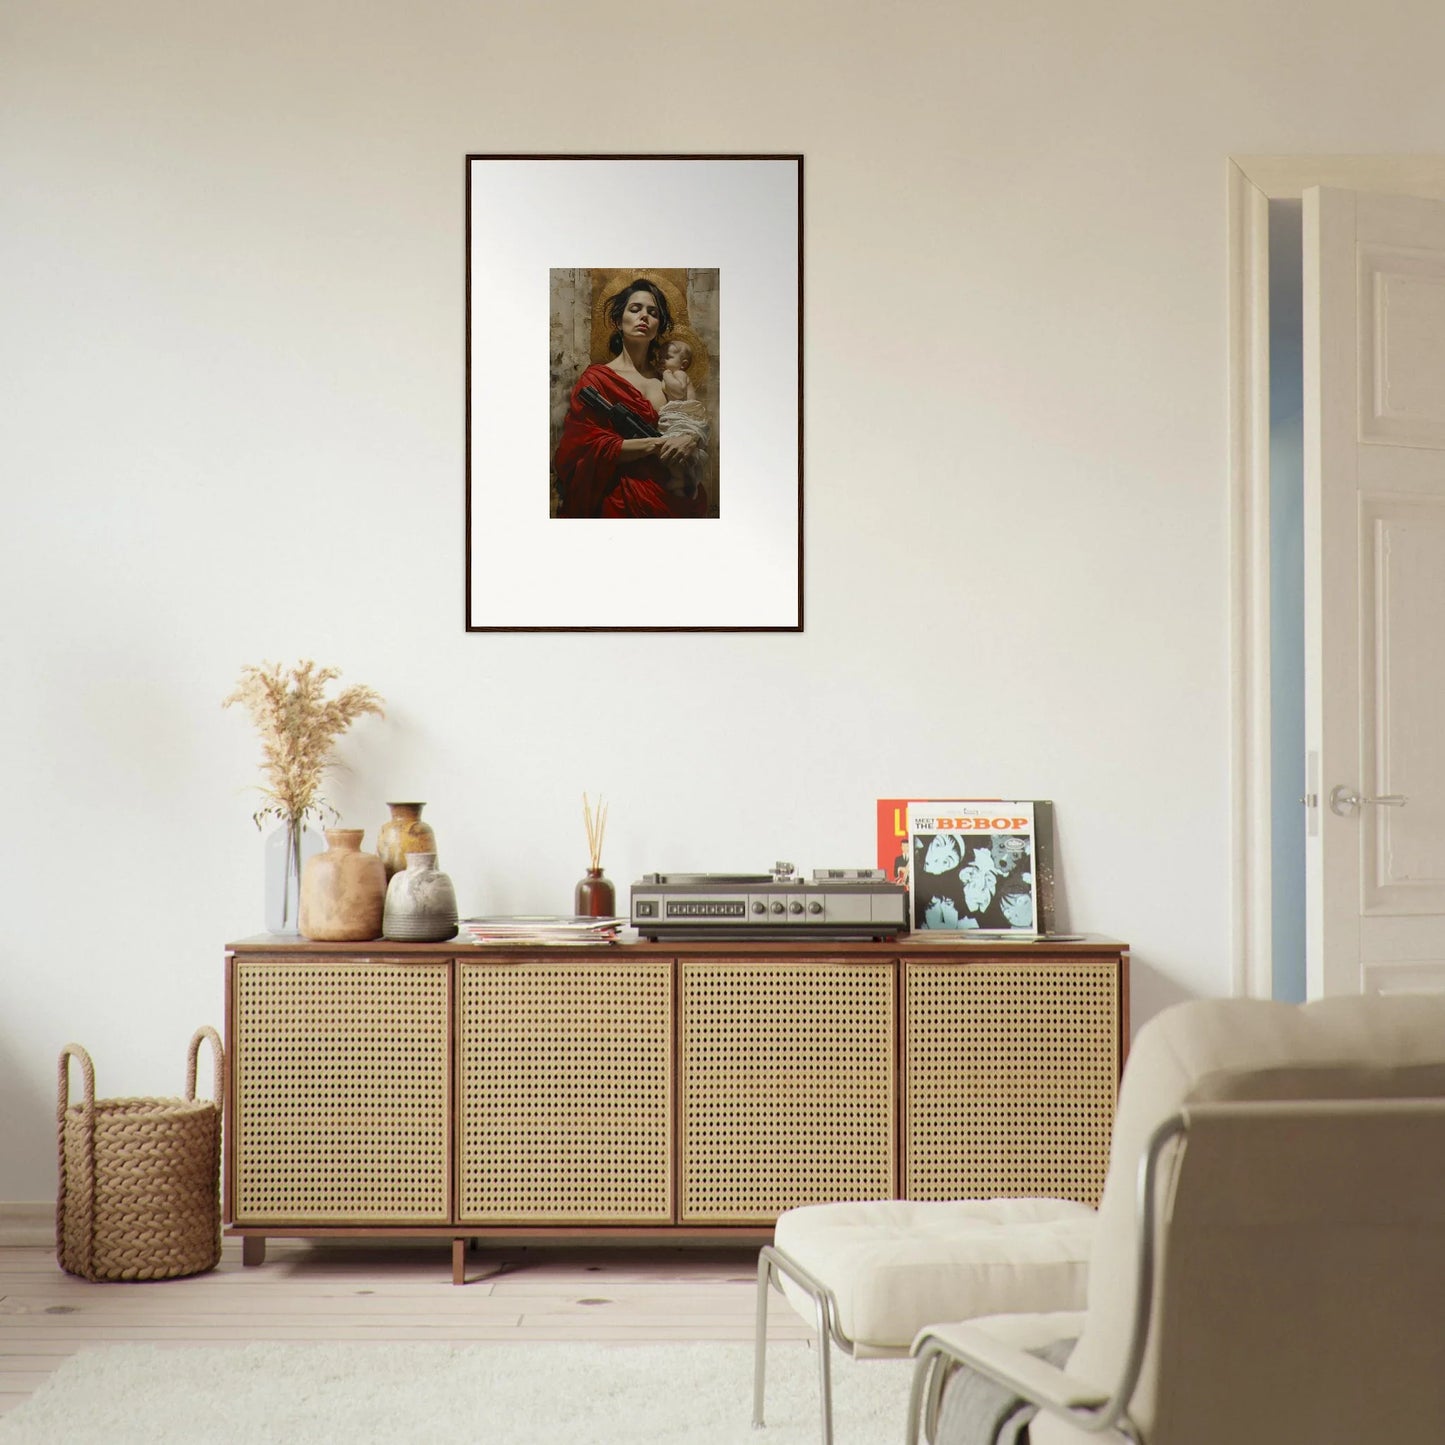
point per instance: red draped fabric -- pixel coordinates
(592, 475)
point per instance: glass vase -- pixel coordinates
(287, 849)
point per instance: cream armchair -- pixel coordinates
(1268, 1263)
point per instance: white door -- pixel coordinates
(1374, 344)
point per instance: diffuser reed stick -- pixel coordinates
(596, 821)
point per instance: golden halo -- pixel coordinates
(620, 280)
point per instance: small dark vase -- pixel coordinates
(595, 896)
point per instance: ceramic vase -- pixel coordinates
(343, 890)
(595, 897)
(287, 849)
(421, 904)
(403, 833)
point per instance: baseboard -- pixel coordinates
(27, 1222)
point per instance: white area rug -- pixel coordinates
(492, 1394)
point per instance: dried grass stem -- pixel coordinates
(299, 726)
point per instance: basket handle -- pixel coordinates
(85, 1240)
(87, 1071)
(217, 1054)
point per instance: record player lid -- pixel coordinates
(707, 878)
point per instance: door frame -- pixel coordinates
(1252, 183)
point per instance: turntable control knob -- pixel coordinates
(759, 906)
(815, 907)
(777, 907)
(795, 907)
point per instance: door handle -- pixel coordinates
(1344, 801)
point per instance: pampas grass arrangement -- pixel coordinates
(298, 725)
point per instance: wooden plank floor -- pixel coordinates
(377, 1292)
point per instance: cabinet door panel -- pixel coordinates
(787, 1086)
(1010, 1076)
(342, 1099)
(565, 1077)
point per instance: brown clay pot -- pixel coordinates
(403, 833)
(343, 890)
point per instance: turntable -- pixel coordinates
(834, 903)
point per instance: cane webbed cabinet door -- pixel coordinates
(342, 1091)
(787, 1077)
(564, 1071)
(1010, 1075)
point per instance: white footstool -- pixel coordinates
(870, 1275)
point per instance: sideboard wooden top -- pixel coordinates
(904, 946)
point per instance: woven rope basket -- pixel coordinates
(139, 1178)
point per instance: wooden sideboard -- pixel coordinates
(653, 1091)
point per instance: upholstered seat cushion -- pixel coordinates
(897, 1265)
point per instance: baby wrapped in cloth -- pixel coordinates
(682, 414)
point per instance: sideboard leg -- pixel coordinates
(253, 1249)
(459, 1261)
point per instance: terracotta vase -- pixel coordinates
(421, 904)
(343, 890)
(594, 896)
(403, 833)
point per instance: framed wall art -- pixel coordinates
(634, 393)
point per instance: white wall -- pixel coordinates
(231, 288)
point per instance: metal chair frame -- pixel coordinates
(773, 1262)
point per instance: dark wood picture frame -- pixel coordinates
(739, 217)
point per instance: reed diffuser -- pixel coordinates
(595, 896)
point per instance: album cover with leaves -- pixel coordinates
(984, 865)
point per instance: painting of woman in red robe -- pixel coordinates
(635, 435)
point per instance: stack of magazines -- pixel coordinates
(530, 929)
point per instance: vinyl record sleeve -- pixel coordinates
(959, 890)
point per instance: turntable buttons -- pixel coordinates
(815, 907)
(795, 907)
(777, 907)
(759, 906)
